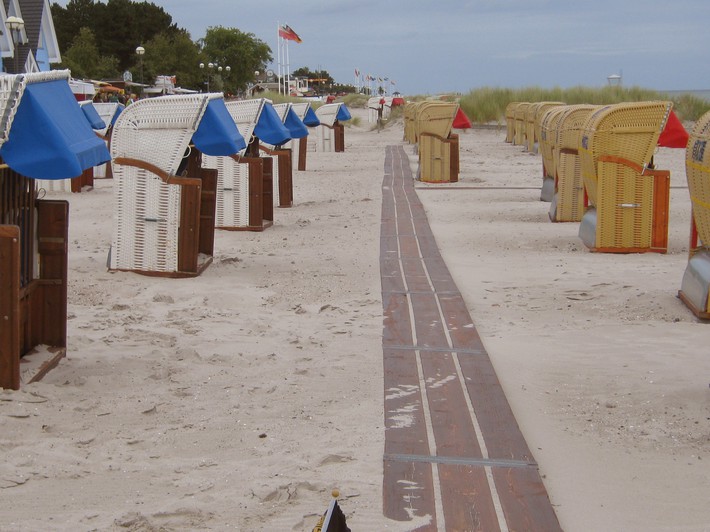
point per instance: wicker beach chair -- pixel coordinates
(245, 184)
(438, 147)
(109, 112)
(330, 135)
(540, 110)
(510, 121)
(628, 211)
(695, 286)
(299, 147)
(164, 200)
(520, 128)
(568, 187)
(43, 135)
(546, 144)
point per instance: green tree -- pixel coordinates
(173, 54)
(85, 61)
(242, 52)
(122, 25)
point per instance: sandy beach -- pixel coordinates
(239, 399)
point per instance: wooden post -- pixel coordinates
(302, 149)
(189, 231)
(10, 307)
(339, 132)
(208, 209)
(285, 177)
(49, 304)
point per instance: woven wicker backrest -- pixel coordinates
(548, 135)
(436, 118)
(245, 114)
(542, 109)
(520, 112)
(328, 113)
(282, 109)
(300, 109)
(569, 125)
(158, 130)
(510, 121)
(697, 169)
(11, 89)
(627, 130)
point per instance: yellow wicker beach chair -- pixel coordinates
(520, 128)
(438, 147)
(695, 287)
(159, 226)
(568, 195)
(510, 121)
(410, 109)
(540, 110)
(546, 141)
(628, 210)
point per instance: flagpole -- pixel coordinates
(278, 53)
(288, 73)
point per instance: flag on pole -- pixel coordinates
(357, 73)
(285, 32)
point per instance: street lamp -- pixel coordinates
(15, 25)
(140, 51)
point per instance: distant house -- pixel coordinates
(34, 48)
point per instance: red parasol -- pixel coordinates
(461, 121)
(674, 134)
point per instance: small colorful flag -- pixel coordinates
(357, 73)
(285, 32)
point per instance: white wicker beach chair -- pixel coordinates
(151, 228)
(299, 149)
(330, 133)
(245, 191)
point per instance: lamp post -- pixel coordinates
(140, 51)
(15, 25)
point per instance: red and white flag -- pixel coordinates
(285, 32)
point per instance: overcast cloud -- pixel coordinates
(436, 46)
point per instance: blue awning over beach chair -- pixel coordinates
(343, 114)
(50, 136)
(295, 125)
(311, 119)
(270, 129)
(92, 116)
(217, 133)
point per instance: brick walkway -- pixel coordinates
(453, 450)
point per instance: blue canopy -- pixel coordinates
(119, 109)
(343, 114)
(92, 115)
(50, 137)
(269, 127)
(295, 125)
(217, 134)
(311, 119)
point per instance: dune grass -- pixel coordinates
(488, 104)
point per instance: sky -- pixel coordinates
(429, 47)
